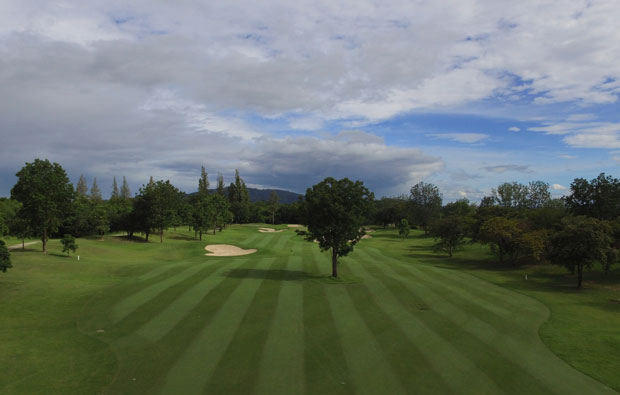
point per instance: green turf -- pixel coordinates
(133, 318)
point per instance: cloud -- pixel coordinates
(514, 129)
(508, 168)
(299, 162)
(568, 156)
(467, 138)
(558, 187)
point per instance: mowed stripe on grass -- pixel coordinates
(161, 324)
(193, 369)
(275, 324)
(540, 370)
(450, 367)
(365, 358)
(282, 363)
(131, 303)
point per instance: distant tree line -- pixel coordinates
(520, 222)
(45, 204)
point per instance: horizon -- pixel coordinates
(464, 95)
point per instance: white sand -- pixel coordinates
(294, 226)
(227, 250)
(269, 230)
(367, 237)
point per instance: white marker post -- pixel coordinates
(78, 258)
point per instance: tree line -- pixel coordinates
(45, 204)
(520, 222)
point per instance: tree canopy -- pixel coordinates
(45, 193)
(426, 204)
(336, 211)
(580, 243)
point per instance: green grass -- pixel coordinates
(134, 317)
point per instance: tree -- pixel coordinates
(220, 185)
(508, 237)
(580, 243)
(598, 198)
(68, 244)
(274, 199)
(239, 199)
(5, 257)
(45, 193)
(95, 192)
(19, 227)
(8, 211)
(403, 228)
(81, 189)
(203, 182)
(125, 194)
(426, 204)
(115, 192)
(513, 195)
(451, 232)
(158, 203)
(336, 212)
(461, 208)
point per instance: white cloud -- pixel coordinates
(558, 187)
(468, 138)
(514, 129)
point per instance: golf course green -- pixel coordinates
(143, 318)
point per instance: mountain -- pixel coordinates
(260, 195)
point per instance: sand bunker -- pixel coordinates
(294, 226)
(367, 237)
(227, 250)
(269, 230)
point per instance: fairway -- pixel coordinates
(272, 322)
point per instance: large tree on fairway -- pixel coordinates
(5, 257)
(580, 243)
(45, 193)
(425, 203)
(336, 212)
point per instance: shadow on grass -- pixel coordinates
(183, 237)
(290, 275)
(136, 239)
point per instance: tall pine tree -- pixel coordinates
(125, 194)
(203, 182)
(95, 192)
(220, 184)
(115, 193)
(81, 188)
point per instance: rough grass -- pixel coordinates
(134, 317)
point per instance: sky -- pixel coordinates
(464, 94)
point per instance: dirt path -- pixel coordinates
(20, 245)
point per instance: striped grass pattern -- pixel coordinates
(273, 323)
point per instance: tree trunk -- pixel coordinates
(44, 240)
(579, 275)
(161, 235)
(200, 235)
(23, 243)
(147, 237)
(334, 263)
